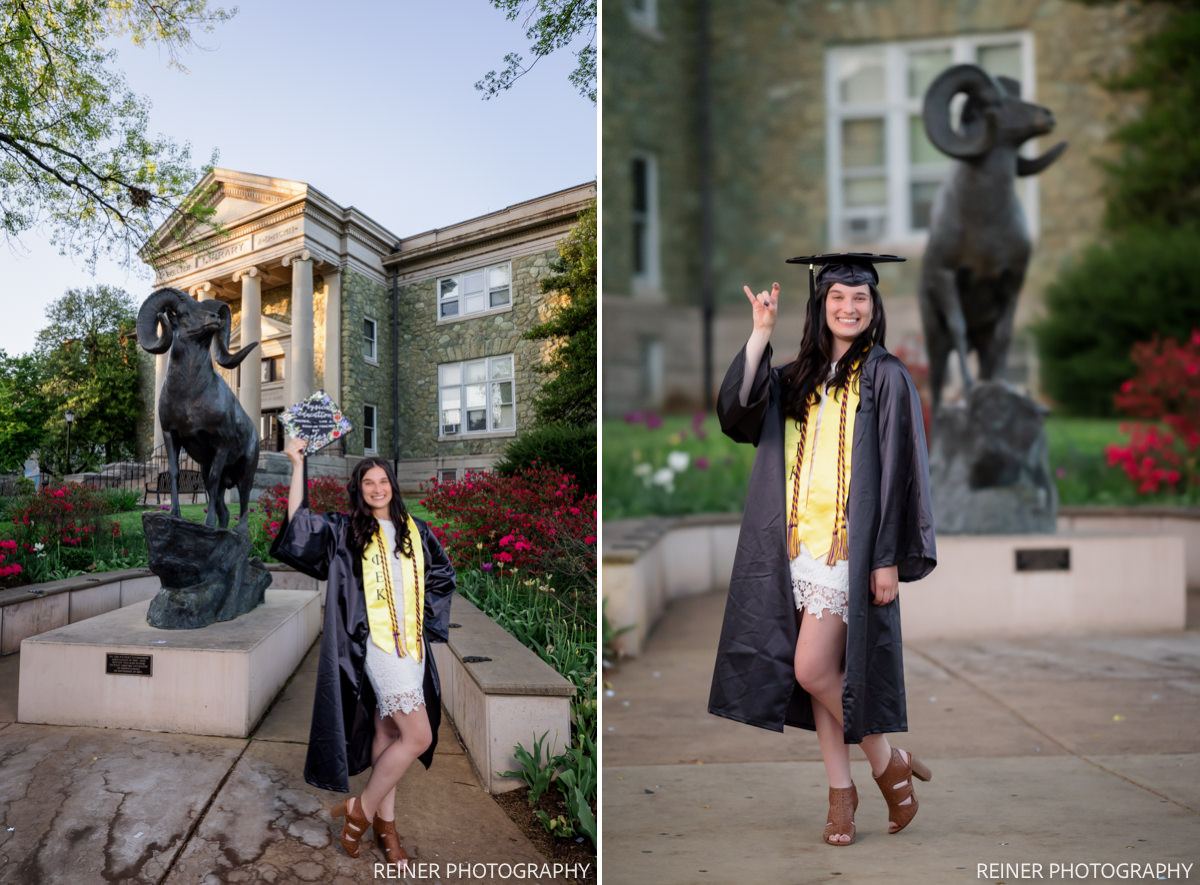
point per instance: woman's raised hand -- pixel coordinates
(295, 450)
(765, 306)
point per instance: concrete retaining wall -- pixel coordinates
(1129, 571)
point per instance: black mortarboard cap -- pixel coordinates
(850, 268)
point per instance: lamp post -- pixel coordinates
(70, 416)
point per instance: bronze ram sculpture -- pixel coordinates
(979, 243)
(196, 409)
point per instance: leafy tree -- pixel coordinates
(74, 152)
(570, 396)
(89, 355)
(557, 24)
(1156, 177)
(23, 410)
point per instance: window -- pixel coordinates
(447, 474)
(883, 170)
(644, 173)
(272, 369)
(476, 291)
(644, 13)
(270, 431)
(369, 428)
(369, 351)
(477, 396)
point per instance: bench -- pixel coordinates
(190, 483)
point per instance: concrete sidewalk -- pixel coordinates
(81, 806)
(1049, 750)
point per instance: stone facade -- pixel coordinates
(523, 237)
(365, 381)
(426, 344)
(766, 67)
(315, 270)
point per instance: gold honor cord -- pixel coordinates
(377, 552)
(841, 546)
(793, 548)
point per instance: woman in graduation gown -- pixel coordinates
(388, 596)
(838, 512)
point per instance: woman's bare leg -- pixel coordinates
(820, 649)
(392, 761)
(386, 733)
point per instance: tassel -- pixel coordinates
(841, 546)
(793, 545)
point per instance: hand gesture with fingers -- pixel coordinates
(765, 306)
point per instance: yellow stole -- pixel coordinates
(817, 511)
(380, 589)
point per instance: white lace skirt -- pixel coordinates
(820, 588)
(399, 683)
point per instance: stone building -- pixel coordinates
(737, 135)
(418, 339)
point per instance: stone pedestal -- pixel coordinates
(989, 466)
(218, 680)
(207, 573)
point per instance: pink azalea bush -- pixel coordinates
(1163, 452)
(535, 521)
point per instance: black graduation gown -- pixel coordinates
(344, 707)
(891, 523)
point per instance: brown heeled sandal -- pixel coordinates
(356, 824)
(388, 841)
(896, 785)
(843, 802)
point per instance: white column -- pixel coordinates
(250, 391)
(333, 334)
(160, 375)
(300, 376)
(203, 292)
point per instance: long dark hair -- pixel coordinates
(363, 523)
(806, 375)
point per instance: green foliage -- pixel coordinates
(1155, 179)
(118, 500)
(23, 410)
(75, 155)
(557, 24)
(1140, 285)
(570, 448)
(570, 396)
(89, 364)
(562, 634)
(537, 772)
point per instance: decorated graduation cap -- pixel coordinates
(849, 268)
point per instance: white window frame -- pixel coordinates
(373, 341)
(460, 295)
(646, 18)
(371, 427)
(895, 110)
(452, 431)
(648, 277)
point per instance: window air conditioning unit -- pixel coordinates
(449, 429)
(864, 229)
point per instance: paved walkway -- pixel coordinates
(1051, 750)
(83, 806)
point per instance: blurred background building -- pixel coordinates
(737, 135)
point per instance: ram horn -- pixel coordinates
(1026, 166)
(152, 314)
(977, 137)
(220, 344)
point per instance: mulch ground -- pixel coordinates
(516, 805)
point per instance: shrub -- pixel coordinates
(1110, 300)
(120, 500)
(326, 494)
(535, 520)
(62, 531)
(1163, 453)
(570, 448)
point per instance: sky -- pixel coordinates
(371, 102)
